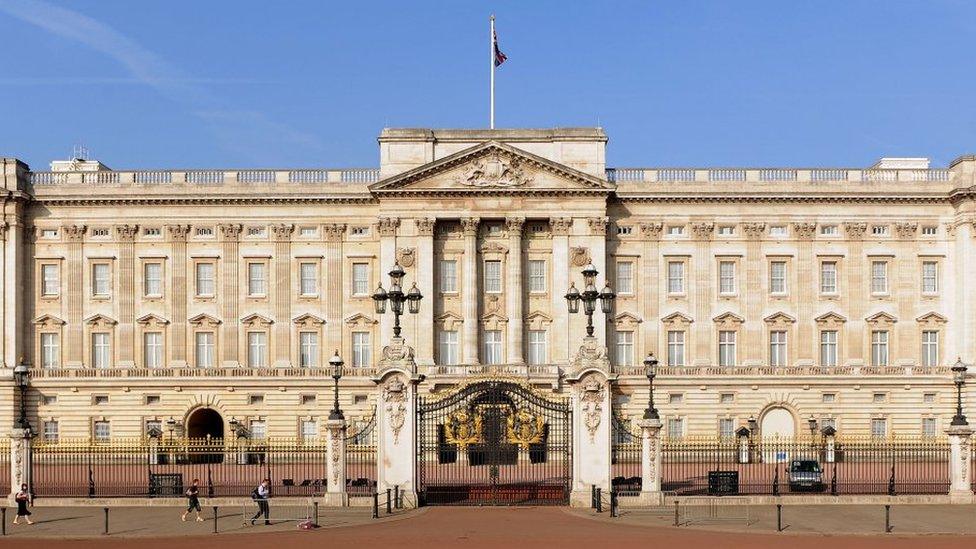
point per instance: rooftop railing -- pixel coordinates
(206, 177)
(774, 175)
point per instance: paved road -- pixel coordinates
(498, 527)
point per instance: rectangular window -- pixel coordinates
(930, 348)
(726, 348)
(103, 431)
(777, 230)
(205, 280)
(828, 230)
(362, 347)
(50, 280)
(879, 348)
(50, 431)
(255, 400)
(310, 429)
(309, 279)
(537, 276)
(259, 429)
(676, 277)
(676, 428)
(726, 428)
(777, 277)
(449, 276)
(152, 279)
(880, 230)
(625, 349)
(99, 400)
(257, 279)
(828, 277)
(930, 277)
(676, 398)
(930, 427)
(308, 231)
(50, 350)
(726, 281)
(538, 348)
(676, 348)
(879, 398)
(308, 352)
(152, 400)
(308, 400)
(360, 278)
(257, 349)
(829, 398)
(777, 348)
(493, 347)
(930, 230)
(448, 347)
(675, 230)
(625, 277)
(726, 398)
(101, 279)
(879, 277)
(726, 230)
(101, 350)
(205, 349)
(828, 348)
(152, 349)
(493, 277)
(879, 427)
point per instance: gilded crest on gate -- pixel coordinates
(525, 428)
(462, 428)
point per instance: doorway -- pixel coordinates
(205, 423)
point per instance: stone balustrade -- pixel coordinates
(775, 175)
(205, 177)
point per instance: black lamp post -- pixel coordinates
(753, 425)
(22, 379)
(589, 296)
(959, 378)
(397, 297)
(336, 364)
(650, 370)
(171, 426)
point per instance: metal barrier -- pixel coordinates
(285, 511)
(706, 509)
(393, 500)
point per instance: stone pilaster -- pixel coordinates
(335, 463)
(907, 288)
(230, 234)
(20, 462)
(960, 472)
(470, 291)
(591, 388)
(651, 461)
(128, 346)
(803, 350)
(853, 286)
(73, 292)
(4, 303)
(177, 236)
(281, 234)
(560, 228)
(754, 300)
(703, 290)
(334, 234)
(598, 256)
(513, 291)
(387, 228)
(649, 289)
(425, 281)
(396, 451)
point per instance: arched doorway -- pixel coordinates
(778, 423)
(204, 423)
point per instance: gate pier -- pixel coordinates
(590, 382)
(396, 408)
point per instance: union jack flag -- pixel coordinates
(499, 56)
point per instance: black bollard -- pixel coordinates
(389, 502)
(593, 496)
(105, 533)
(613, 504)
(3, 521)
(376, 505)
(676, 523)
(396, 496)
(599, 500)
(316, 505)
(215, 518)
(779, 517)
(887, 519)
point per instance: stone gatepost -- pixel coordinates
(960, 473)
(651, 462)
(591, 382)
(396, 410)
(335, 464)
(20, 459)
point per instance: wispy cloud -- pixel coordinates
(150, 69)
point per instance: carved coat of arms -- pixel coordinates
(494, 171)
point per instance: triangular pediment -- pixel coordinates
(204, 319)
(881, 317)
(308, 319)
(255, 319)
(932, 316)
(359, 319)
(779, 317)
(48, 320)
(100, 319)
(539, 315)
(729, 317)
(627, 316)
(677, 317)
(492, 167)
(152, 319)
(830, 317)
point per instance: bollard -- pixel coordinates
(887, 519)
(105, 533)
(613, 504)
(215, 518)
(3, 521)
(599, 500)
(779, 517)
(676, 523)
(316, 505)
(396, 496)
(389, 503)
(593, 496)
(376, 505)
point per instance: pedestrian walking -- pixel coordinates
(193, 500)
(23, 498)
(261, 495)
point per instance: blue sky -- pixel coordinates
(189, 84)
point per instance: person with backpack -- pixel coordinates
(193, 500)
(23, 498)
(261, 495)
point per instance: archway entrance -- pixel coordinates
(778, 423)
(205, 423)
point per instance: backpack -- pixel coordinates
(255, 495)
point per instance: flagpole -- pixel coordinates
(491, 62)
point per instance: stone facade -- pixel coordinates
(779, 294)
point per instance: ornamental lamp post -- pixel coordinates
(397, 297)
(171, 426)
(753, 425)
(650, 370)
(22, 379)
(959, 378)
(812, 424)
(589, 297)
(336, 363)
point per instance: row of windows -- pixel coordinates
(727, 427)
(783, 230)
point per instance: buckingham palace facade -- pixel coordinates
(789, 296)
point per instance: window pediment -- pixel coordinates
(881, 319)
(932, 318)
(152, 320)
(626, 320)
(254, 320)
(449, 321)
(100, 321)
(308, 320)
(779, 320)
(538, 320)
(728, 320)
(204, 320)
(677, 319)
(360, 320)
(494, 321)
(48, 321)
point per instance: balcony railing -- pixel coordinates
(775, 175)
(191, 372)
(206, 177)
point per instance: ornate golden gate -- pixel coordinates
(494, 442)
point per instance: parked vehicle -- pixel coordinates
(805, 474)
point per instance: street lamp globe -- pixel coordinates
(413, 299)
(650, 366)
(379, 299)
(606, 299)
(959, 371)
(573, 298)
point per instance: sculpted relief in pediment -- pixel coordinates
(494, 170)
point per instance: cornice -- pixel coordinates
(197, 200)
(767, 198)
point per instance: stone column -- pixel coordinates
(177, 235)
(960, 473)
(854, 347)
(333, 233)
(648, 288)
(513, 291)
(651, 462)
(127, 289)
(561, 347)
(598, 256)
(425, 281)
(804, 348)
(20, 459)
(387, 228)
(470, 290)
(754, 300)
(4, 303)
(396, 451)
(335, 493)
(906, 288)
(703, 290)
(591, 430)
(281, 234)
(230, 234)
(73, 291)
